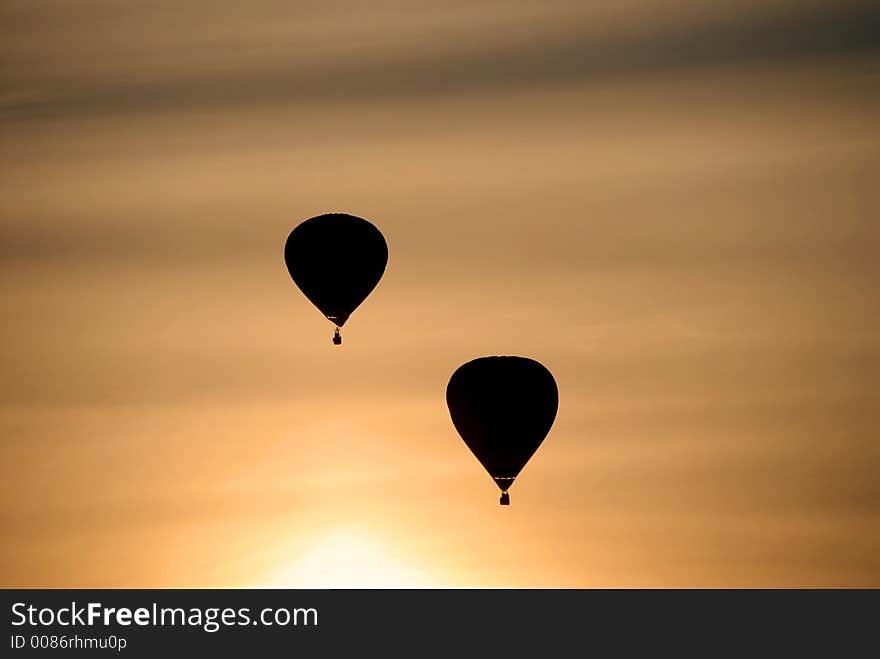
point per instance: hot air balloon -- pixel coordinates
(502, 407)
(336, 260)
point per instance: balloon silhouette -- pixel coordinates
(336, 260)
(502, 407)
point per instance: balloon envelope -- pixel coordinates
(503, 408)
(336, 260)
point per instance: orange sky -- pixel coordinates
(671, 205)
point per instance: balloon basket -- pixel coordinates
(505, 499)
(337, 338)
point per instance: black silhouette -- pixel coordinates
(336, 260)
(502, 407)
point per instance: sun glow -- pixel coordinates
(349, 559)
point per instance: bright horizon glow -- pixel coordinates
(345, 558)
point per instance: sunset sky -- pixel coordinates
(671, 204)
